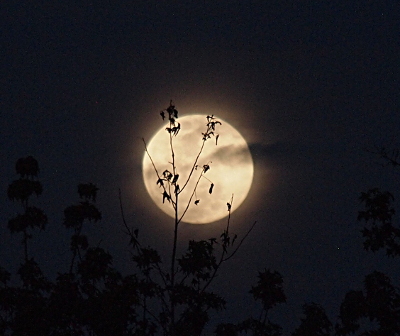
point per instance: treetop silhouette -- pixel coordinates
(173, 295)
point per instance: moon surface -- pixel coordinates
(231, 169)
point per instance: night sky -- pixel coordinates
(312, 86)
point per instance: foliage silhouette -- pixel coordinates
(379, 212)
(269, 291)
(172, 296)
(380, 301)
(21, 190)
(383, 233)
(183, 287)
(315, 322)
(91, 297)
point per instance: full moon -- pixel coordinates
(230, 169)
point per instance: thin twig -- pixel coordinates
(193, 167)
(229, 215)
(133, 237)
(122, 210)
(151, 159)
(241, 242)
(155, 168)
(224, 245)
(196, 160)
(191, 197)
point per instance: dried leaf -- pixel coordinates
(160, 181)
(166, 196)
(211, 188)
(175, 178)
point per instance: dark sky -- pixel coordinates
(310, 85)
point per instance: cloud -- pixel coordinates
(290, 155)
(275, 151)
(233, 153)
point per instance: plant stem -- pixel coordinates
(172, 300)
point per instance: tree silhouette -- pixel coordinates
(173, 296)
(23, 306)
(269, 292)
(379, 213)
(90, 297)
(21, 190)
(315, 322)
(380, 300)
(183, 288)
(380, 303)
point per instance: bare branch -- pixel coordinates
(389, 156)
(191, 197)
(241, 242)
(157, 173)
(193, 167)
(224, 246)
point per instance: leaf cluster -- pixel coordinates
(379, 302)
(93, 298)
(379, 212)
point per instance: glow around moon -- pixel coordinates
(231, 169)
